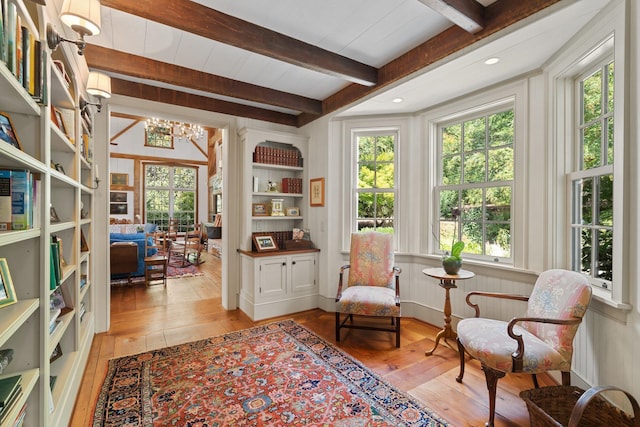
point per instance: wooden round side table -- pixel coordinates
(447, 281)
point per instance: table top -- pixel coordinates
(439, 273)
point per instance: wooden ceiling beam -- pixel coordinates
(498, 16)
(466, 14)
(138, 66)
(206, 22)
(199, 102)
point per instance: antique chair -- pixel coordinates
(539, 341)
(172, 229)
(371, 289)
(186, 250)
(155, 259)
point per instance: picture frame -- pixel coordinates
(259, 209)
(7, 291)
(84, 247)
(53, 215)
(293, 211)
(59, 168)
(118, 197)
(265, 243)
(119, 179)
(57, 118)
(57, 353)
(316, 192)
(7, 131)
(118, 209)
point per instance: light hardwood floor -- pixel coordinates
(189, 309)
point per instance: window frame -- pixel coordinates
(455, 119)
(171, 189)
(150, 133)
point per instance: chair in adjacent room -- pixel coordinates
(155, 260)
(172, 229)
(186, 249)
(539, 341)
(373, 285)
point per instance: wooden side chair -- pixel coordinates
(187, 250)
(172, 229)
(539, 341)
(373, 287)
(155, 260)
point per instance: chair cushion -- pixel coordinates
(371, 260)
(487, 340)
(558, 294)
(368, 301)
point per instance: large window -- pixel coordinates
(170, 192)
(592, 178)
(476, 165)
(375, 192)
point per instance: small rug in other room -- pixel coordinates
(172, 273)
(279, 374)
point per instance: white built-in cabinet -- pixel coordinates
(67, 187)
(283, 281)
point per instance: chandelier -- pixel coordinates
(178, 130)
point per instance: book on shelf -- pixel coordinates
(53, 315)
(53, 326)
(56, 264)
(20, 417)
(8, 388)
(21, 209)
(5, 200)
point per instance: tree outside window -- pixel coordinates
(376, 187)
(592, 178)
(170, 192)
(476, 180)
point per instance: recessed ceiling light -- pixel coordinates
(492, 61)
(398, 100)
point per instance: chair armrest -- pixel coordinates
(518, 355)
(476, 308)
(342, 269)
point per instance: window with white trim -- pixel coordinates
(374, 191)
(170, 192)
(475, 187)
(592, 183)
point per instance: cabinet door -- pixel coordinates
(272, 278)
(303, 273)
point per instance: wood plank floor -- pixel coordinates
(190, 308)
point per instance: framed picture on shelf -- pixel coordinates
(316, 191)
(56, 117)
(293, 211)
(265, 243)
(259, 209)
(120, 179)
(57, 353)
(84, 247)
(7, 292)
(7, 132)
(53, 215)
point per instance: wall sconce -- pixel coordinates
(98, 85)
(82, 16)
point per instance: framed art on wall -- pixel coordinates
(120, 179)
(316, 191)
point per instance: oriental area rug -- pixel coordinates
(279, 374)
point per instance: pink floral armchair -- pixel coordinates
(373, 286)
(540, 341)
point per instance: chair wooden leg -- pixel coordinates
(461, 352)
(535, 380)
(492, 376)
(337, 326)
(397, 332)
(566, 378)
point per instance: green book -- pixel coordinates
(8, 387)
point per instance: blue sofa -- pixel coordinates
(137, 238)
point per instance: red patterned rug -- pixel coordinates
(280, 374)
(172, 273)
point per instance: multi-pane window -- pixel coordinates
(592, 177)
(170, 192)
(375, 192)
(158, 136)
(476, 184)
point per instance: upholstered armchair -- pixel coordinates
(539, 341)
(373, 286)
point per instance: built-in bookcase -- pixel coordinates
(54, 147)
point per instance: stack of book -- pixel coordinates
(10, 392)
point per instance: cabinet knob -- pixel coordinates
(294, 263)
(284, 264)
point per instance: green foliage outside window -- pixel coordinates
(376, 182)
(170, 192)
(477, 170)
